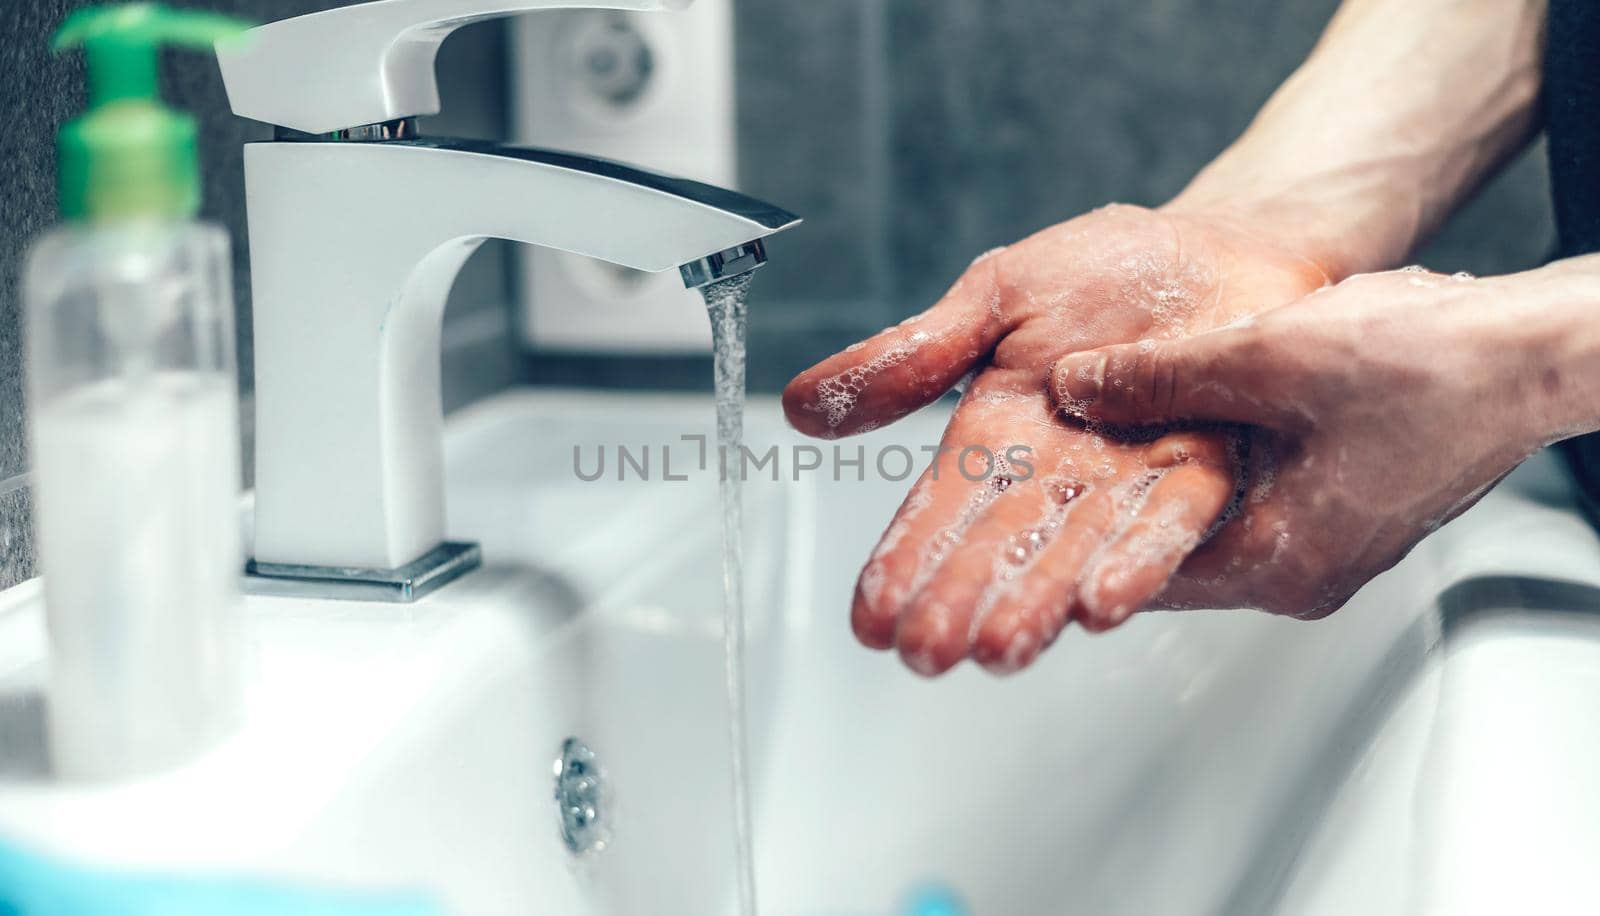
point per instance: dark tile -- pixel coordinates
(1509, 226)
(37, 91)
(472, 71)
(804, 144)
(16, 533)
(480, 357)
(1012, 115)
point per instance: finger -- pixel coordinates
(1135, 566)
(1031, 610)
(895, 565)
(1213, 376)
(904, 367)
(1026, 609)
(935, 631)
(935, 515)
(1030, 613)
(950, 496)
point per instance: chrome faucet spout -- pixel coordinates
(740, 259)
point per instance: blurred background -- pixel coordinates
(910, 134)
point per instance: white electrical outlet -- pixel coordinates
(650, 89)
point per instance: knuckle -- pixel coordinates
(1128, 384)
(1163, 385)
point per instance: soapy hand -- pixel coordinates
(988, 568)
(1374, 412)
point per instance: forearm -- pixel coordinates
(1402, 110)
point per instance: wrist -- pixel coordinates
(1552, 348)
(1343, 234)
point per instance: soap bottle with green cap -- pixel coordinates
(133, 416)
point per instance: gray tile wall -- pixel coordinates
(911, 134)
(914, 134)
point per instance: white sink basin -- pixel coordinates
(1431, 748)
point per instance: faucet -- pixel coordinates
(358, 227)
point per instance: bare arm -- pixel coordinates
(1402, 110)
(1404, 107)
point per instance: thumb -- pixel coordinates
(1219, 376)
(902, 368)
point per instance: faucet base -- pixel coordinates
(403, 584)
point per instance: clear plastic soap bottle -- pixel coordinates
(133, 417)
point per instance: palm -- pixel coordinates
(994, 568)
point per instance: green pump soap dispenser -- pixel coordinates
(133, 417)
(129, 155)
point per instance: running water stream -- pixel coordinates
(726, 301)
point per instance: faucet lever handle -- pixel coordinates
(362, 64)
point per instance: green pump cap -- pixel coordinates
(129, 156)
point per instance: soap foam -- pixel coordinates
(837, 394)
